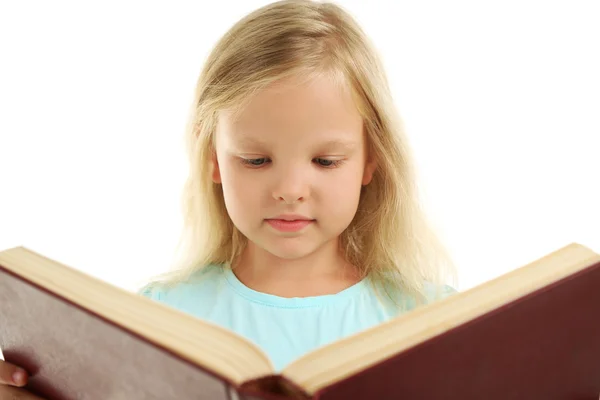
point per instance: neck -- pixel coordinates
(325, 271)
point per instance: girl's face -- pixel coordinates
(296, 152)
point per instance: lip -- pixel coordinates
(291, 217)
(289, 222)
(289, 226)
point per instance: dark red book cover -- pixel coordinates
(75, 355)
(543, 346)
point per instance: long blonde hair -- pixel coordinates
(389, 239)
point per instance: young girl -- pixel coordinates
(302, 220)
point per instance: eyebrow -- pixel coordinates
(249, 141)
(339, 143)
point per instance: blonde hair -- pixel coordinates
(389, 239)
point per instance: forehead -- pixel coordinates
(317, 109)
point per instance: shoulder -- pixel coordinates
(398, 300)
(179, 288)
(437, 292)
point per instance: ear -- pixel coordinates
(369, 170)
(215, 171)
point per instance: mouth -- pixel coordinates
(291, 217)
(289, 225)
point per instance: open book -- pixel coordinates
(533, 333)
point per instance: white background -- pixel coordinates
(501, 101)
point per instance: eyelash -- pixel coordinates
(249, 162)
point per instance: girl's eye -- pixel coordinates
(328, 163)
(254, 162)
(322, 162)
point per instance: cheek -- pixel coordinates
(342, 192)
(239, 192)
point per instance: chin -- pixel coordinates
(290, 251)
(289, 248)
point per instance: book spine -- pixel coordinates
(272, 387)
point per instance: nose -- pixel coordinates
(291, 186)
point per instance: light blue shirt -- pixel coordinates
(285, 328)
